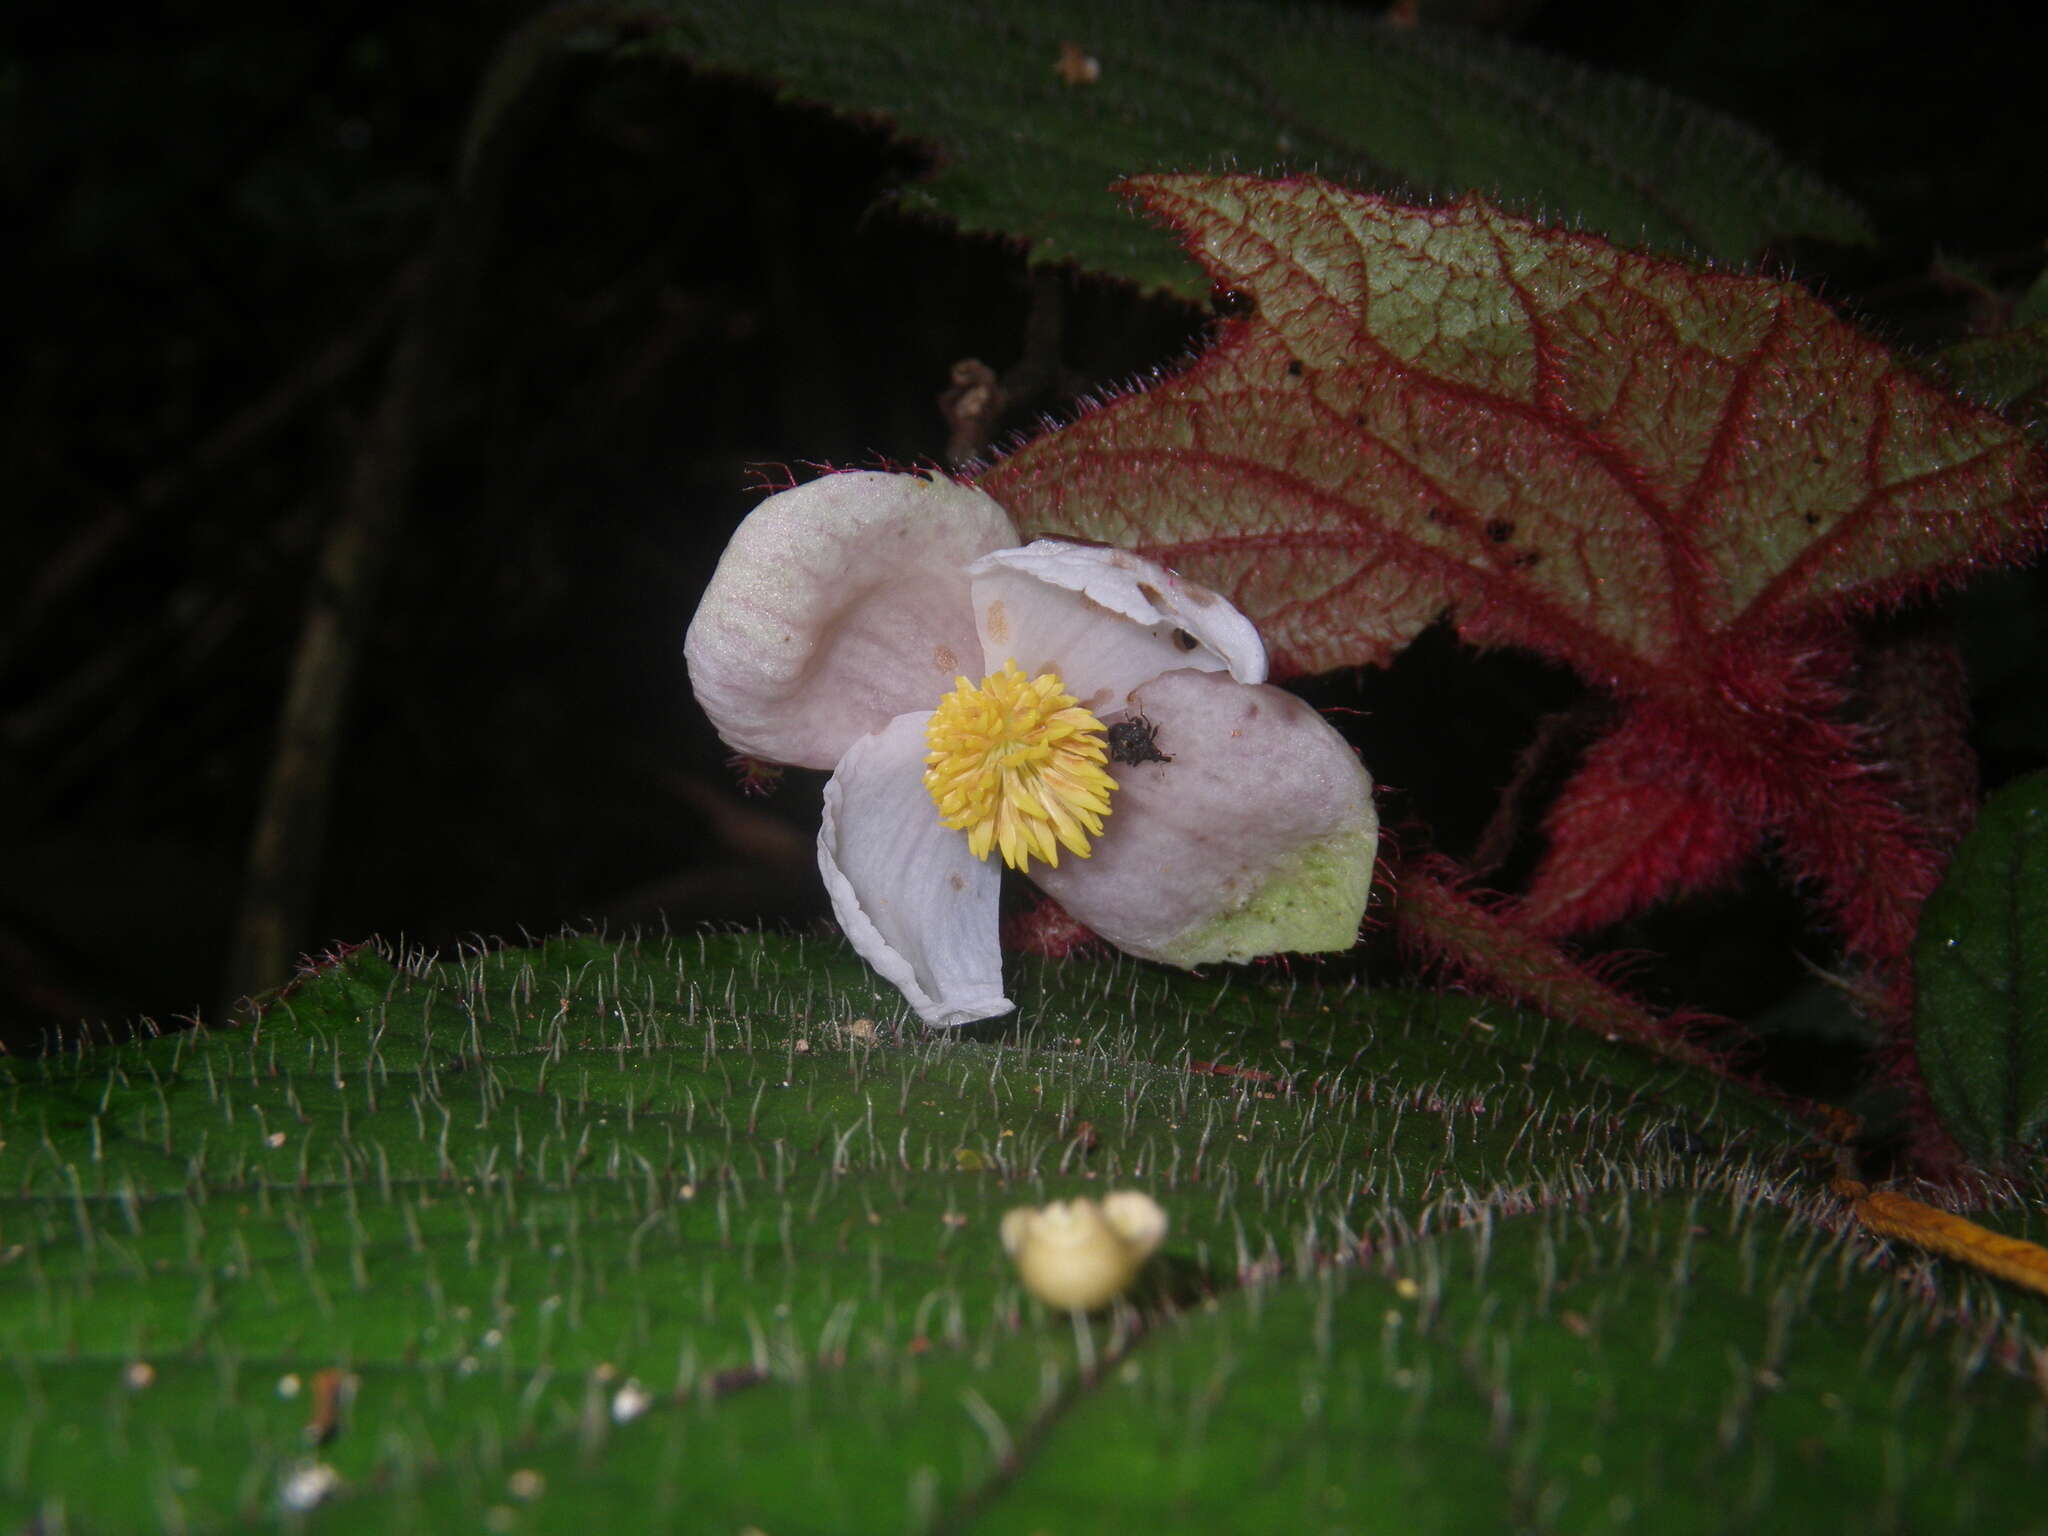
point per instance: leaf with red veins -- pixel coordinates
(1616, 460)
(1679, 482)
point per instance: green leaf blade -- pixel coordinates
(1678, 1354)
(1981, 1018)
(1026, 152)
(490, 1192)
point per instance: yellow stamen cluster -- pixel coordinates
(1016, 764)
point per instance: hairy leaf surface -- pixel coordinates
(1624, 463)
(1033, 112)
(702, 1232)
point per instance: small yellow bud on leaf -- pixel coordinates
(1079, 1255)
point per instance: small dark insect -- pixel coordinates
(1134, 741)
(1231, 303)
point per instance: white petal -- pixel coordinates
(917, 905)
(838, 606)
(1105, 620)
(1258, 837)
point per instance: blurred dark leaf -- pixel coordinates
(1981, 1026)
(1032, 112)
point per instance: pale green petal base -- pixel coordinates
(1313, 902)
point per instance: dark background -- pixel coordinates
(214, 217)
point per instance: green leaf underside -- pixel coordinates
(1981, 965)
(1020, 152)
(493, 1191)
(1624, 463)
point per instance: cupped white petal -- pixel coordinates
(912, 900)
(1105, 620)
(1258, 836)
(837, 606)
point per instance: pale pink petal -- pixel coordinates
(1105, 620)
(912, 900)
(838, 606)
(1257, 838)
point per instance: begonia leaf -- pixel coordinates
(1681, 482)
(704, 1233)
(1622, 462)
(1032, 112)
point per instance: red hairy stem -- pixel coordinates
(1478, 940)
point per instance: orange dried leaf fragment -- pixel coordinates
(1903, 1219)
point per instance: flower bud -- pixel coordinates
(1079, 1255)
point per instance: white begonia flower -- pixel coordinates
(842, 629)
